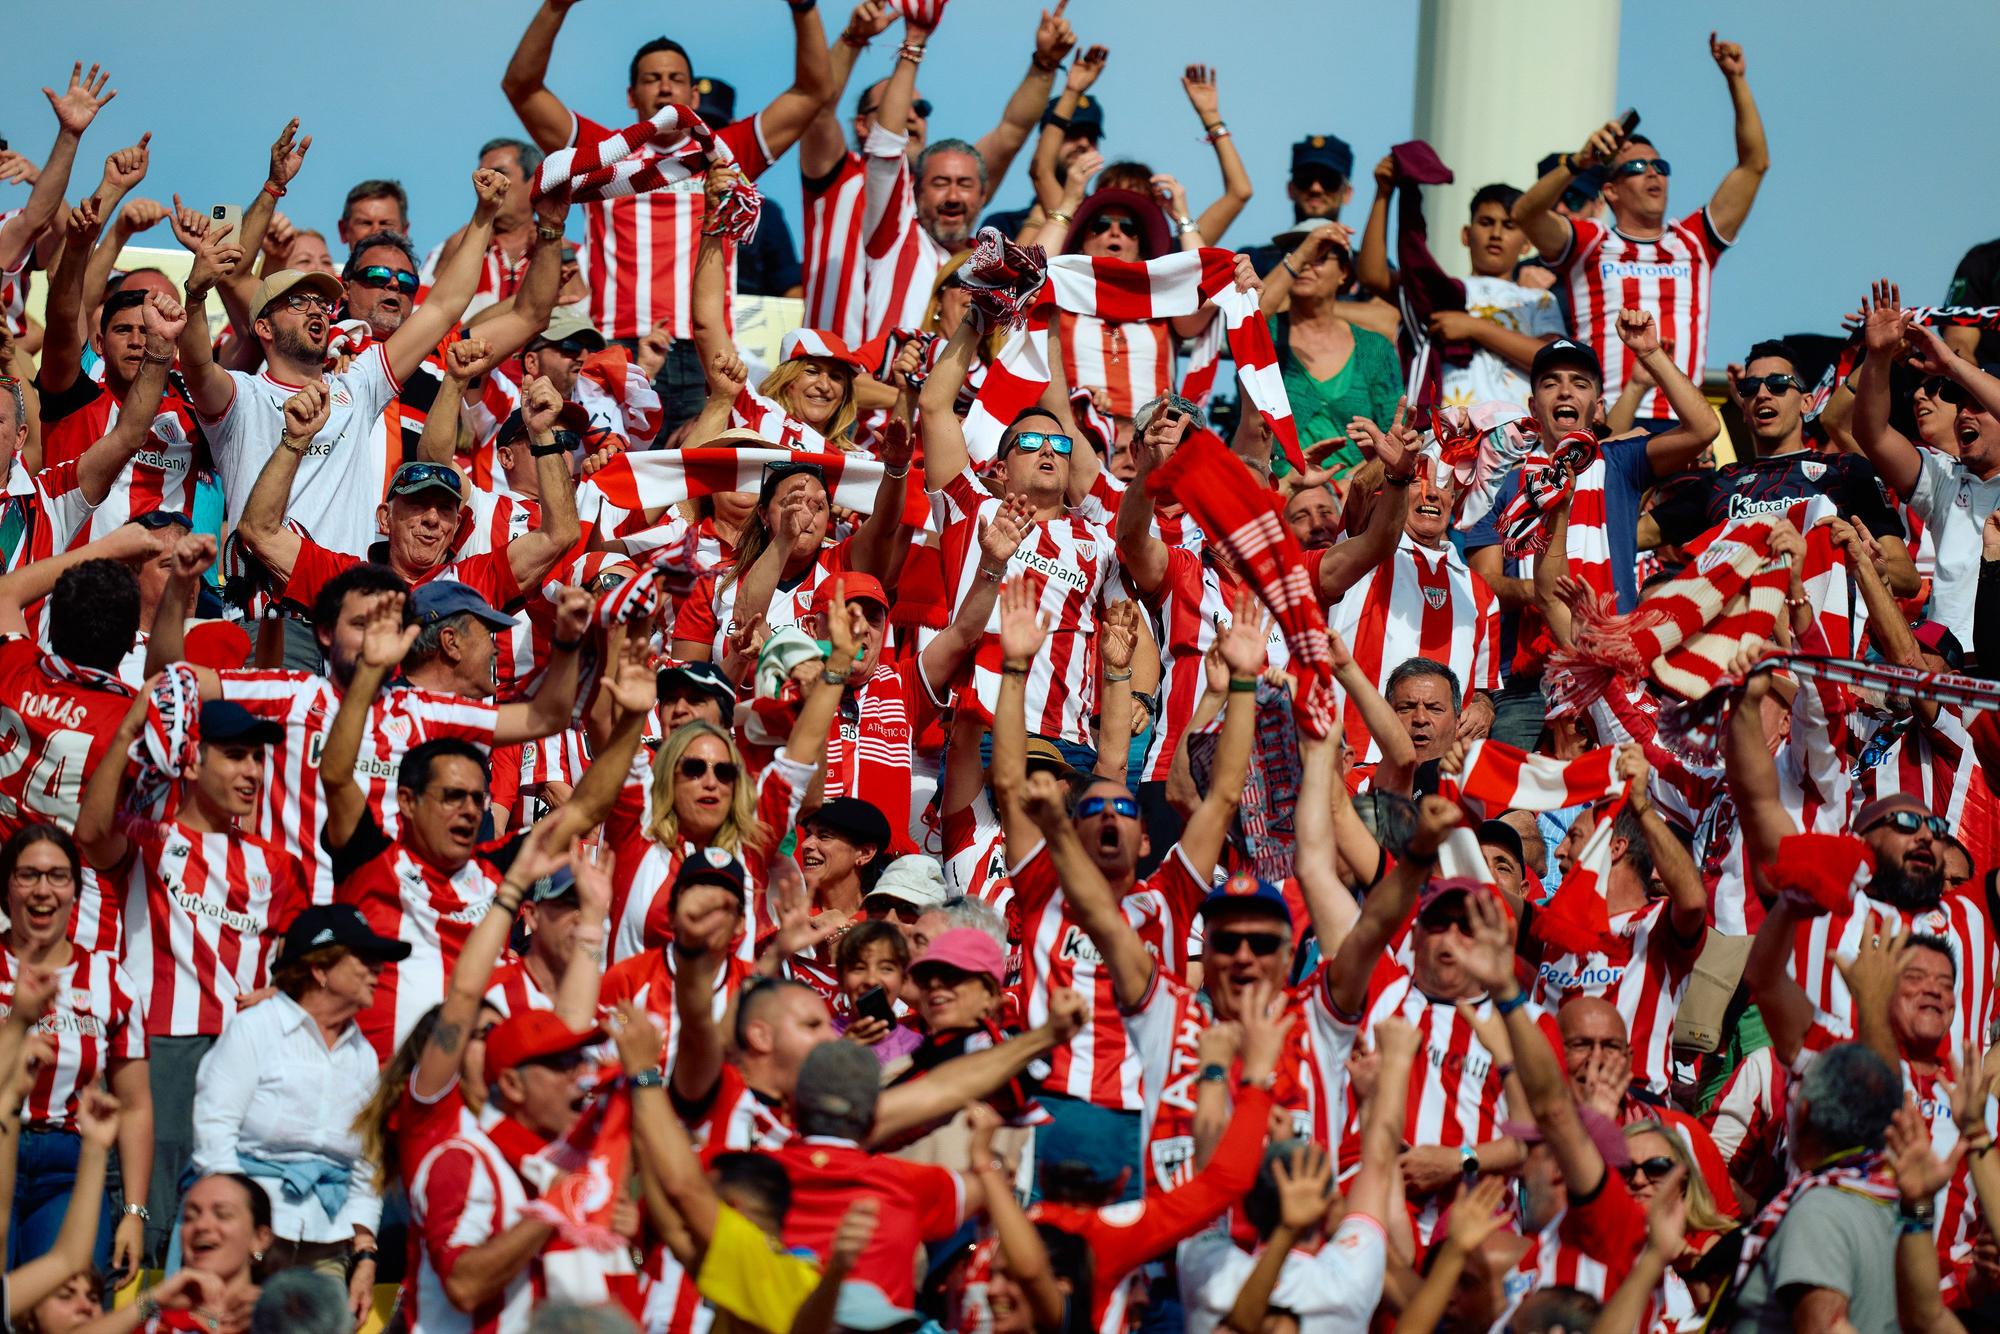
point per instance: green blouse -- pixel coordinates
(1369, 385)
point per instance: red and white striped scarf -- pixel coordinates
(1861, 1171)
(653, 479)
(1545, 482)
(683, 148)
(1234, 510)
(768, 418)
(923, 13)
(169, 743)
(1684, 632)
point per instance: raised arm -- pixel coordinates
(1730, 204)
(999, 538)
(262, 526)
(1242, 649)
(24, 587)
(1535, 211)
(945, 453)
(97, 1123)
(1304, 1182)
(824, 143)
(385, 641)
(1023, 630)
(633, 694)
(534, 553)
(1118, 635)
(288, 155)
(965, 1079)
(1397, 766)
(785, 118)
(1345, 563)
(542, 113)
(1371, 261)
(1687, 900)
(63, 333)
(1142, 553)
(1387, 905)
(1382, 1120)
(74, 110)
(1883, 328)
(709, 305)
(1752, 775)
(552, 706)
(216, 257)
(99, 468)
(997, 147)
(192, 556)
(439, 441)
(98, 837)
(881, 540)
(456, 283)
(1198, 82)
(1675, 449)
(1089, 895)
(1328, 901)
(528, 310)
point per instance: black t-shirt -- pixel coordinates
(1977, 283)
(1691, 503)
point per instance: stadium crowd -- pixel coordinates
(520, 813)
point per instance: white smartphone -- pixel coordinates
(229, 215)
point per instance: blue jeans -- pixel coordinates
(43, 1182)
(1105, 1140)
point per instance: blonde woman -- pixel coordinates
(1660, 1156)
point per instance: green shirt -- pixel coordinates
(1367, 386)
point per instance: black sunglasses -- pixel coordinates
(381, 276)
(1908, 822)
(693, 767)
(1263, 944)
(1653, 1169)
(163, 519)
(562, 1062)
(1638, 165)
(1104, 222)
(921, 108)
(1748, 386)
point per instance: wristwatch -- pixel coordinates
(1213, 1074)
(649, 1079)
(1468, 1162)
(138, 1211)
(561, 441)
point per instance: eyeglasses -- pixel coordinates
(304, 301)
(1908, 822)
(1616, 1046)
(1748, 386)
(451, 798)
(1653, 1169)
(1639, 166)
(1263, 944)
(1104, 222)
(1124, 806)
(55, 877)
(1031, 442)
(381, 276)
(693, 768)
(921, 109)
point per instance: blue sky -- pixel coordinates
(1874, 111)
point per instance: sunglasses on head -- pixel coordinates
(1908, 822)
(1031, 442)
(1263, 944)
(1653, 1169)
(1104, 222)
(1124, 806)
(381, 276)
(163, 519)
(694, 767)
(1639, 166)
(1748, 386)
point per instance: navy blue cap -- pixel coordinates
(1565, 352)
(341, 924)
(712, 866)
(1324, 150)
(1243, 890)
(702, 677)
(441, 598)
(225, 720)
(717, 102)
(556, 884)
(1089, 115)
(1588, 182)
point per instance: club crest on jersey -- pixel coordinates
(1932, 923)
(396, 728)
(1173, 1161)
(1086, 552)
(1813, 469)
(1435, 596)
(1718, 554)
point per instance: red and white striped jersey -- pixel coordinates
(1959, 918)
(55, 729)
(1099, 1065)
(1420, 603)
(1166, 1029)
(1554, 1258)
(159, 477)
(14, 284)
(406, 898)
(514, 990)
(707, 613)
(499, 276)
(41, 514)
(647, 980)
(901, 258)
(1131, 361)
(290, 814)
(835, 278)
(870, 749)
(1069, 563)
(462, 1195)
(96, 1022)
(1195, 602)
(204, 915)
(638, 252)
(1605, 271)
(1643, 971)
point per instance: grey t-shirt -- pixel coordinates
(1831, 1238)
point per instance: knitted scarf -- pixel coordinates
(170, 741)
(581, 1176)
(1524, 524)
(619, 166)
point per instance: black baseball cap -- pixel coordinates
(559, 883)
(224, 720)
(712, 866)
(340, 924)
(703, 678)
(1565, 352)
(717, 104)
(860, 820)
(1503, 835)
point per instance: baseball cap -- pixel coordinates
(340, 924)
(701, 677)
(1603, 1132)
(840, 1080)
(1503, 835)
(1565, 352)
(1445, 886)
(417, 477)
(713, 866)
(1244, 890)
(858, 819)
(717, 102)
(1088, 118)
(529, 1036)
(1324, 150)
(861, 1305)
(569, 328)
(916, 880)
(559, 883)
(1585, 186)
(440, 598)
(286, 281)
(225, 720)
(1938, 638)
(969, 950)
(819, 343)
(775, 473)
(853, 586)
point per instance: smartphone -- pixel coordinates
(874, 1004)
(1628, 122)
(230, 215)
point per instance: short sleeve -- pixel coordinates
(695, 618)
(1626, 457)
(1927, 497)
(452, 1181)
(745, 139)
(1585, 236)
(314, 569)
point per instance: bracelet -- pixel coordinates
(139, 1212)
(1568, 164)
(1511, 1004)
(1213, 1074)
(898, 476)
(1219, 125)
(859, 44)
(1057, 215)
(500, 898)
(1265, 1082)
(1216, 135)
(1906, 1226)
(1060, 122)
(567, 645)
(273, 189)
(293, 445)
(1289, 267)
(831, 677)
(1182, 226)
(150, 359)
(1397, 481)
(649, 1079)
(992, 576)
(1014, 668)
(148, 1306)
(1036, 61)
(803, 6)
(1241, 687)
(1505, 1070)
(547, 233)
(366, 1254)
(913, 54)
(1118, 676)
(1799, 602)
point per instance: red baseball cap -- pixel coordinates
(853, 586)
(531, 1035)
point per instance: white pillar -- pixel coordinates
(1498, 86)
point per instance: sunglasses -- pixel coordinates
(1263, 944)
(1438, 919)
(921, 109)
(1124, 806)
(1653, 1169)
(1908, 822)
(163, 519)
(884, 909)
(693, 768)
(1031, 442)
(1639, 166)
(453, 797)
(380, 277)
(1104, 222)
(1950, 391)
(1748, 386)
(561, 1062)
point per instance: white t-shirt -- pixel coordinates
(343, 475)
(1953, 504)
(1490, 377)
(1331, 1292)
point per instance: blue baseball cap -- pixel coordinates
(1324, 150)
(225, 720)
(441, 598)
(1088, 118)
(1243, 890)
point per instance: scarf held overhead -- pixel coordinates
(620, 165)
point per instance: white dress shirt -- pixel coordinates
(271, 1088)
